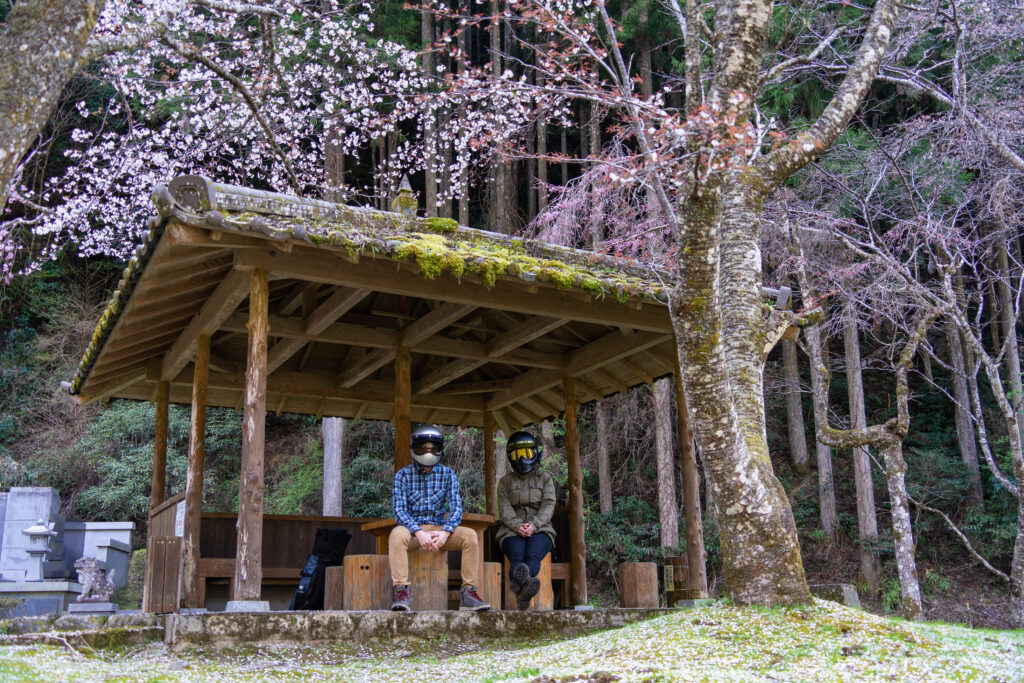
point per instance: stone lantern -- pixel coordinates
(40, 539)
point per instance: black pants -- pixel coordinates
(529, 550)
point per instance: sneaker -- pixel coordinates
(520, 575)
(471, 600)
(401, 602)
(531, 589)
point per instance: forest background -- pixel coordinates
(927, 164)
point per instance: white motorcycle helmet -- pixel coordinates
(426, 446)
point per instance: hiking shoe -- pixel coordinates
(520, 575)
(470, 600)
(401, 602)
(530, 589)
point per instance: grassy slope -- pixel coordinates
(821, 642)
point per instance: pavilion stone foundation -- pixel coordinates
(37, 569)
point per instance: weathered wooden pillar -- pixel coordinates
(697, 571)
(491, 505)
(249, 556)
(402, 419)
(191, 593)
(156, 491)
(577, 546)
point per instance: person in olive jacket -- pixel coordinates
(526, 501)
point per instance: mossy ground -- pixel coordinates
(820, 642)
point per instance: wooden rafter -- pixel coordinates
(336, 305)
(416, 332)
(222, 303)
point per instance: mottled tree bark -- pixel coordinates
(40, 46)
(964, 424)
(333, 429)
(867, 521)
(429, 132)
(668, 508)
(761, 554)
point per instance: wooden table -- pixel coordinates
(381, 529)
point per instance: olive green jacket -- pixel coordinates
(525, 498)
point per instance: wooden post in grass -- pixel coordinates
(697, 575)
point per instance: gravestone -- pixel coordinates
(25, 507)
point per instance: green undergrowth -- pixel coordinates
(819, 642)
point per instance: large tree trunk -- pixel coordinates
(964, 424)
(429, 132)
(668, 508)
(867, 521)
(334, 445)
(794, 407)
(40, 46)
(604, 478)
(826, 485)
(760, 550)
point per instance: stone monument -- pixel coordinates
(39, 550)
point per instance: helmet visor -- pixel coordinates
(425, 447)
(522, 453)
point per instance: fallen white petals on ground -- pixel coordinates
(820, 642)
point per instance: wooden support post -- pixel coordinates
(577, 547)
(191, 590)
(156, 491)
(249, 556)
(491, 505)
(402, 419)
(698, 576)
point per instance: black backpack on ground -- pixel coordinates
(328, 551)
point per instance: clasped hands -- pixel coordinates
(525, 530)
(432, 540)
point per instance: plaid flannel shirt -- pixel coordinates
(433, 498)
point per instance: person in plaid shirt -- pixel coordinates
(428, 509)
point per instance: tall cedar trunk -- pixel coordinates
(964, 424)
(794, 407)
(499, 219)
(668, 509)
(1009, 320)
(643, 51)
(867, 521)
(191, 591)
(429, 127)
(760, 551)
(333, 429)
(463, 170)
(903, 537)
(542, 151)
(993, 319)
(564, 148)
(604, 477)
(826, 486)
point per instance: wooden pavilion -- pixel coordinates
(257, 301)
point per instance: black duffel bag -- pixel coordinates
(328, 551)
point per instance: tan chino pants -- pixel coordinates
(401, 541)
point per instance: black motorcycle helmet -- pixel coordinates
(426, 446)
(523, 452)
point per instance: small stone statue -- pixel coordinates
(96, 587)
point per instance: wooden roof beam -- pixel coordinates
(336, 305)
(222, 303)
(600, 352)
(637, 370)
(427, 326)
(382, 275)
(611, 379)
(294, 298)
(103, 390)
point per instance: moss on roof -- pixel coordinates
(436, 245)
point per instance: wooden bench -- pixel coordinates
(224, 568)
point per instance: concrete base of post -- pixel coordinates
(247, 606)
